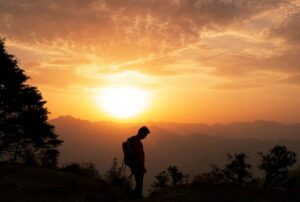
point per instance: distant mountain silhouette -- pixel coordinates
(257, 129)
(168, 144)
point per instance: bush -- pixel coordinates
(162, 181)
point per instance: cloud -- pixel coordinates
(120, 30)
(97, 37)
(59, 77)
(239, 65)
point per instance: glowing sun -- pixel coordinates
(123, 102)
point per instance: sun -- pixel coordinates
(123, 102)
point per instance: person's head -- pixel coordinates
(143, 132)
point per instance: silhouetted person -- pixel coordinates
(138, 159)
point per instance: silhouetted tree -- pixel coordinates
(216, 175)
(116, 177)
(49, 158)
(30, 158)
(237, 170)
(162, 180)
(23, 117)
(176, 175)
(275, 164)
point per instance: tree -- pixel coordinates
(49, 158)
(23, 117)
(162, 180)
(116, 177)
(275, 164)
(216, 175)
(237, 170)
(176, 175)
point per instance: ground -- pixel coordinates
(35, 184)
(30, 184)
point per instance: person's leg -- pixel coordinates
(139, 178)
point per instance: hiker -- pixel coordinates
(136, 159)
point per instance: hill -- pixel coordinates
(33, 184)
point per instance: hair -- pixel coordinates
(144, 130)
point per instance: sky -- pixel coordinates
(208, 61)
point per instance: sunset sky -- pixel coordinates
(202, 61)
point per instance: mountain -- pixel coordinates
(192, 151)
(262, 130)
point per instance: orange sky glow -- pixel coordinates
(203, 61)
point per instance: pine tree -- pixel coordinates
(275, 164)
(116, 176)
(238, 170)
(23, 117)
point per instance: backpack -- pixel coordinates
(127, 151)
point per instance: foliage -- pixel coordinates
(84, 169)
(237, 170)
(49, 158)
(162, 180)
(176, 175)
(170, 177)
(23, 117)
(275, 164)
(216, 175)
(116, 177)
(29, 158)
